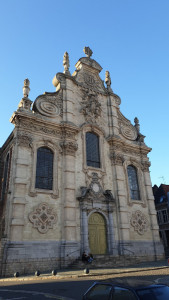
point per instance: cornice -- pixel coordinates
(30, 122)
(116, 143)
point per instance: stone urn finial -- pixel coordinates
(66, 63)
(108, 81)
(137, 125)
(26, 88)
(25, 103)
(88, 51)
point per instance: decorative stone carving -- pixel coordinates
(69, 148)
(88, 51)
(95, 191)
(126, 128)
(26, 88)
(116, 158)
(139, 222)
(41, 128)
(145, 166)
(137, 125)
(24, 140)
(95, 184)
(25, 103)
(117, 99)
(89, 79)
(43, 218)
(49, 105)
(59, 80)
(108, 81)
(66, 63)
(91, 108)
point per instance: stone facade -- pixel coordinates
(88, 208)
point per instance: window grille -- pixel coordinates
(92, 150)
(133, 183)
(44, 169)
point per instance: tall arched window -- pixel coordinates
(92, 150)
(133, 183)
(44, 169)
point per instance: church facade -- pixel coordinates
(75, 177)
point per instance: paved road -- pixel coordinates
(44, 289)
(71, 284)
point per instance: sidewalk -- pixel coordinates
(77, 273)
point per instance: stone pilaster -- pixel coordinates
(122, 211)
(158, 247)
(69, 148)
(112, 249)
(85, 230)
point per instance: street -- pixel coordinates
(69, 288)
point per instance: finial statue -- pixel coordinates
(88, 51)
(25, 103)
(26, 88)
(137, 125)
(66, 63)
(108, 81)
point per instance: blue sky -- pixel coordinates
(128, 37)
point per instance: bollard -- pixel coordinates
(16, 274)
(37, 273)
(86, 270)
(54, 272)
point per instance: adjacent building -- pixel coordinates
(161, 195)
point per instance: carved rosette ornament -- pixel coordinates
(116, 158)
(69, 148)
(43, 218)
(24, 140)
(139, 222)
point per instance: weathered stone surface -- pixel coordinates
(40, 228)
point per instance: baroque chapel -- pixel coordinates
(75, 177)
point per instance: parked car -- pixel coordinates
(127, 289)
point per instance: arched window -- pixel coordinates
(92, 150)
(44, 169)
(133, 183)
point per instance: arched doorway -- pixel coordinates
(97, 234)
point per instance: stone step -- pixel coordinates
(102, 261)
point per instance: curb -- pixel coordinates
(92, 273)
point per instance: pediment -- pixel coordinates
(87, 74)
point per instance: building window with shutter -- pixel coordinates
(92, 150)
(133, 183)
(44, 169)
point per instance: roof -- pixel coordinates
(160, 194)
